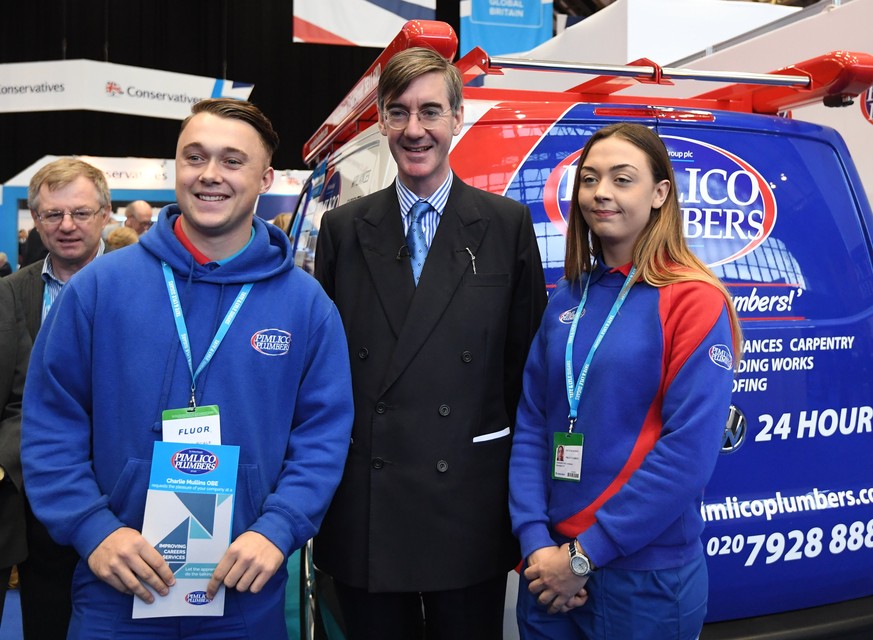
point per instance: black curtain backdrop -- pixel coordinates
(296, 85)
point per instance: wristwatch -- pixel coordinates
(579, 563)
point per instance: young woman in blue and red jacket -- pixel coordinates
(630, 374)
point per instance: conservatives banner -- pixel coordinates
(365, 23)
(63, 85)
(505, 26)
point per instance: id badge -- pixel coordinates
(200, 425)
(567, 456)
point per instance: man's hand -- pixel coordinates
(551, 580)
(247, 564)
(125, 560)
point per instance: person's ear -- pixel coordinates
(659, 197)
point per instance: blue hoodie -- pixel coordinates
(652, 411)
(108, 361)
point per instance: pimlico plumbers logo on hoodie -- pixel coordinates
(271, 342)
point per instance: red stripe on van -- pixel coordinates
(512, 128)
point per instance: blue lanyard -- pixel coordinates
(182, 329)
(574, 393)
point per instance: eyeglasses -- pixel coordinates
(428, 118)
(54, 218)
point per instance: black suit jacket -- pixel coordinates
(423, 504)
(28, 285)
(14, 356)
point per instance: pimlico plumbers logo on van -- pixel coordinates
(727, 206)
(272, 342)
(194, 461)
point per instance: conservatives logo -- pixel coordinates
(728, 209)
(113, 89)
(197, 598)
(272, 342)
(195, 462)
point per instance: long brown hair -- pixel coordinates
(660, 253)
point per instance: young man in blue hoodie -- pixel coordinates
(208, 309)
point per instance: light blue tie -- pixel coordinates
(415, 239)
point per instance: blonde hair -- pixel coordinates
(660, 253)
(63, 171)
(283, 221)
(121, 237)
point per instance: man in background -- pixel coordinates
(5, 267)
(70, 203)
(14, 355)
(138, 216)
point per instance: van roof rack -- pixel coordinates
(835, 79)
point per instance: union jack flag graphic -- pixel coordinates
(365, 23)
(114, 89)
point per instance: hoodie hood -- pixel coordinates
(268, 254)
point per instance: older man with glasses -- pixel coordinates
(70, 204)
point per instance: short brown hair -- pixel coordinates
(61, 172)
(408, 65)
(239, 110)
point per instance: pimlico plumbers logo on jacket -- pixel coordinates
(568, 316)
(720, 354)
(272, 342)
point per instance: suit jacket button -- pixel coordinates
(380, 407)
(442, 466)
(363, 353)
(467, 356)
(445, 410)
(378, 463)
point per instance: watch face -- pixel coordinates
(579, 565)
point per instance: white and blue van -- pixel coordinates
(776, 208)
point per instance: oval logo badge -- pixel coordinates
(568, 316)
(194, 461)
(721, 355)
(728, 207)
(272, 342)
(196, 598)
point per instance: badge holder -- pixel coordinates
(567, 456)
(195, 425)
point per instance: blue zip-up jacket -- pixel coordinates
(108, 361)
(652, 411)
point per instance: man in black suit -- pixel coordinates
(441, 290)
(69, 201)
(14, 355)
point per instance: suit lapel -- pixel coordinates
(33, 288)
(461, 229)
(380, 232)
